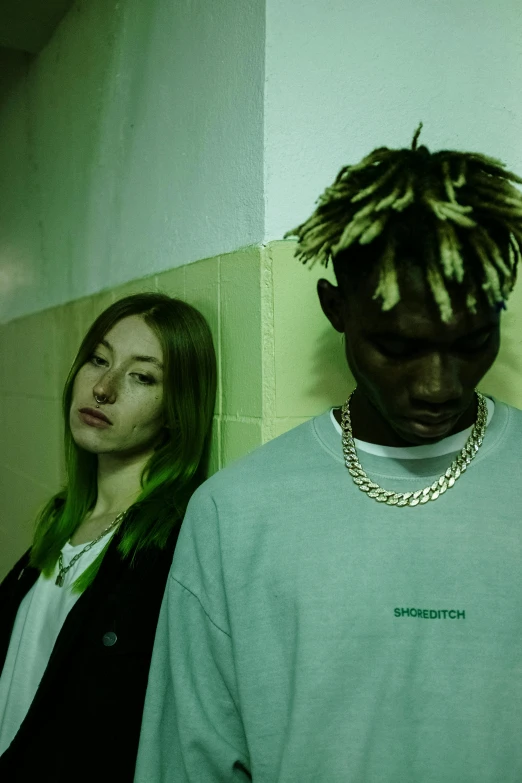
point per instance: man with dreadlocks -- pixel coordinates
(345, 602)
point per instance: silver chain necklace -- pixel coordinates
(62, 570)
(421, 496)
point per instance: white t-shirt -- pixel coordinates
(445, 446)
(39, 620)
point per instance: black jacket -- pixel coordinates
(84, 722)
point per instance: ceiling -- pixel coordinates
(27, 25)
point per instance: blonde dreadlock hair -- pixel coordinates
(455, 212)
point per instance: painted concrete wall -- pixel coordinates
(36, 352)
(141, 138)
(279, 363)
(132, 144)
(344, 77)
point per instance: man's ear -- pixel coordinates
(331, 303)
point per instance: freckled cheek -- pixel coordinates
(76, 384)
(84, 380)
(144, 422)
(77, 393)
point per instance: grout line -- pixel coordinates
(219, 359)
(268, 375)
(219, 441)
(236, 418)
(295, 418)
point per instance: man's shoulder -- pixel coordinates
(516, 412)
(504, 434)
(274, 461)
(513, 415)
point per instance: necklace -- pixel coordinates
(421, 496)
(62, 570)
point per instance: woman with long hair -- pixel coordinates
(78, 612)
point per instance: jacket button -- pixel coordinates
(109, 638)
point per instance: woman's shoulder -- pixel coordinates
(16, 573)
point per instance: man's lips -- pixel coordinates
(429, 426)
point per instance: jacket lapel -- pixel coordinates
(13, 590)
(110, 573)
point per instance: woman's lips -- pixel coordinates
(93, 421)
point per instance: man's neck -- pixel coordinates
(370, 426)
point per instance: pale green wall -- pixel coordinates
(36, 352)
(279, 360)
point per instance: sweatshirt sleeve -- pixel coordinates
(192, 729)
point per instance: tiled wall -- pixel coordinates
(279, 361)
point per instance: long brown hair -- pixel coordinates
(179, 463)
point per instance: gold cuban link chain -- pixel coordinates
(421, 496)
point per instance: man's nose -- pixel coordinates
(438, 380)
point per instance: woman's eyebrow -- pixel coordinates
(150, 359)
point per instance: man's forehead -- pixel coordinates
(417, 323)
(417, 315)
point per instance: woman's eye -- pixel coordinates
(147, 379)
(98, 361)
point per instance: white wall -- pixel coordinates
(133, 145)
(145, 135)
(344, 77)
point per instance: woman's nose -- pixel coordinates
(106, 387)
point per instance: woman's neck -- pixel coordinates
(118, 483)
(118, 486)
